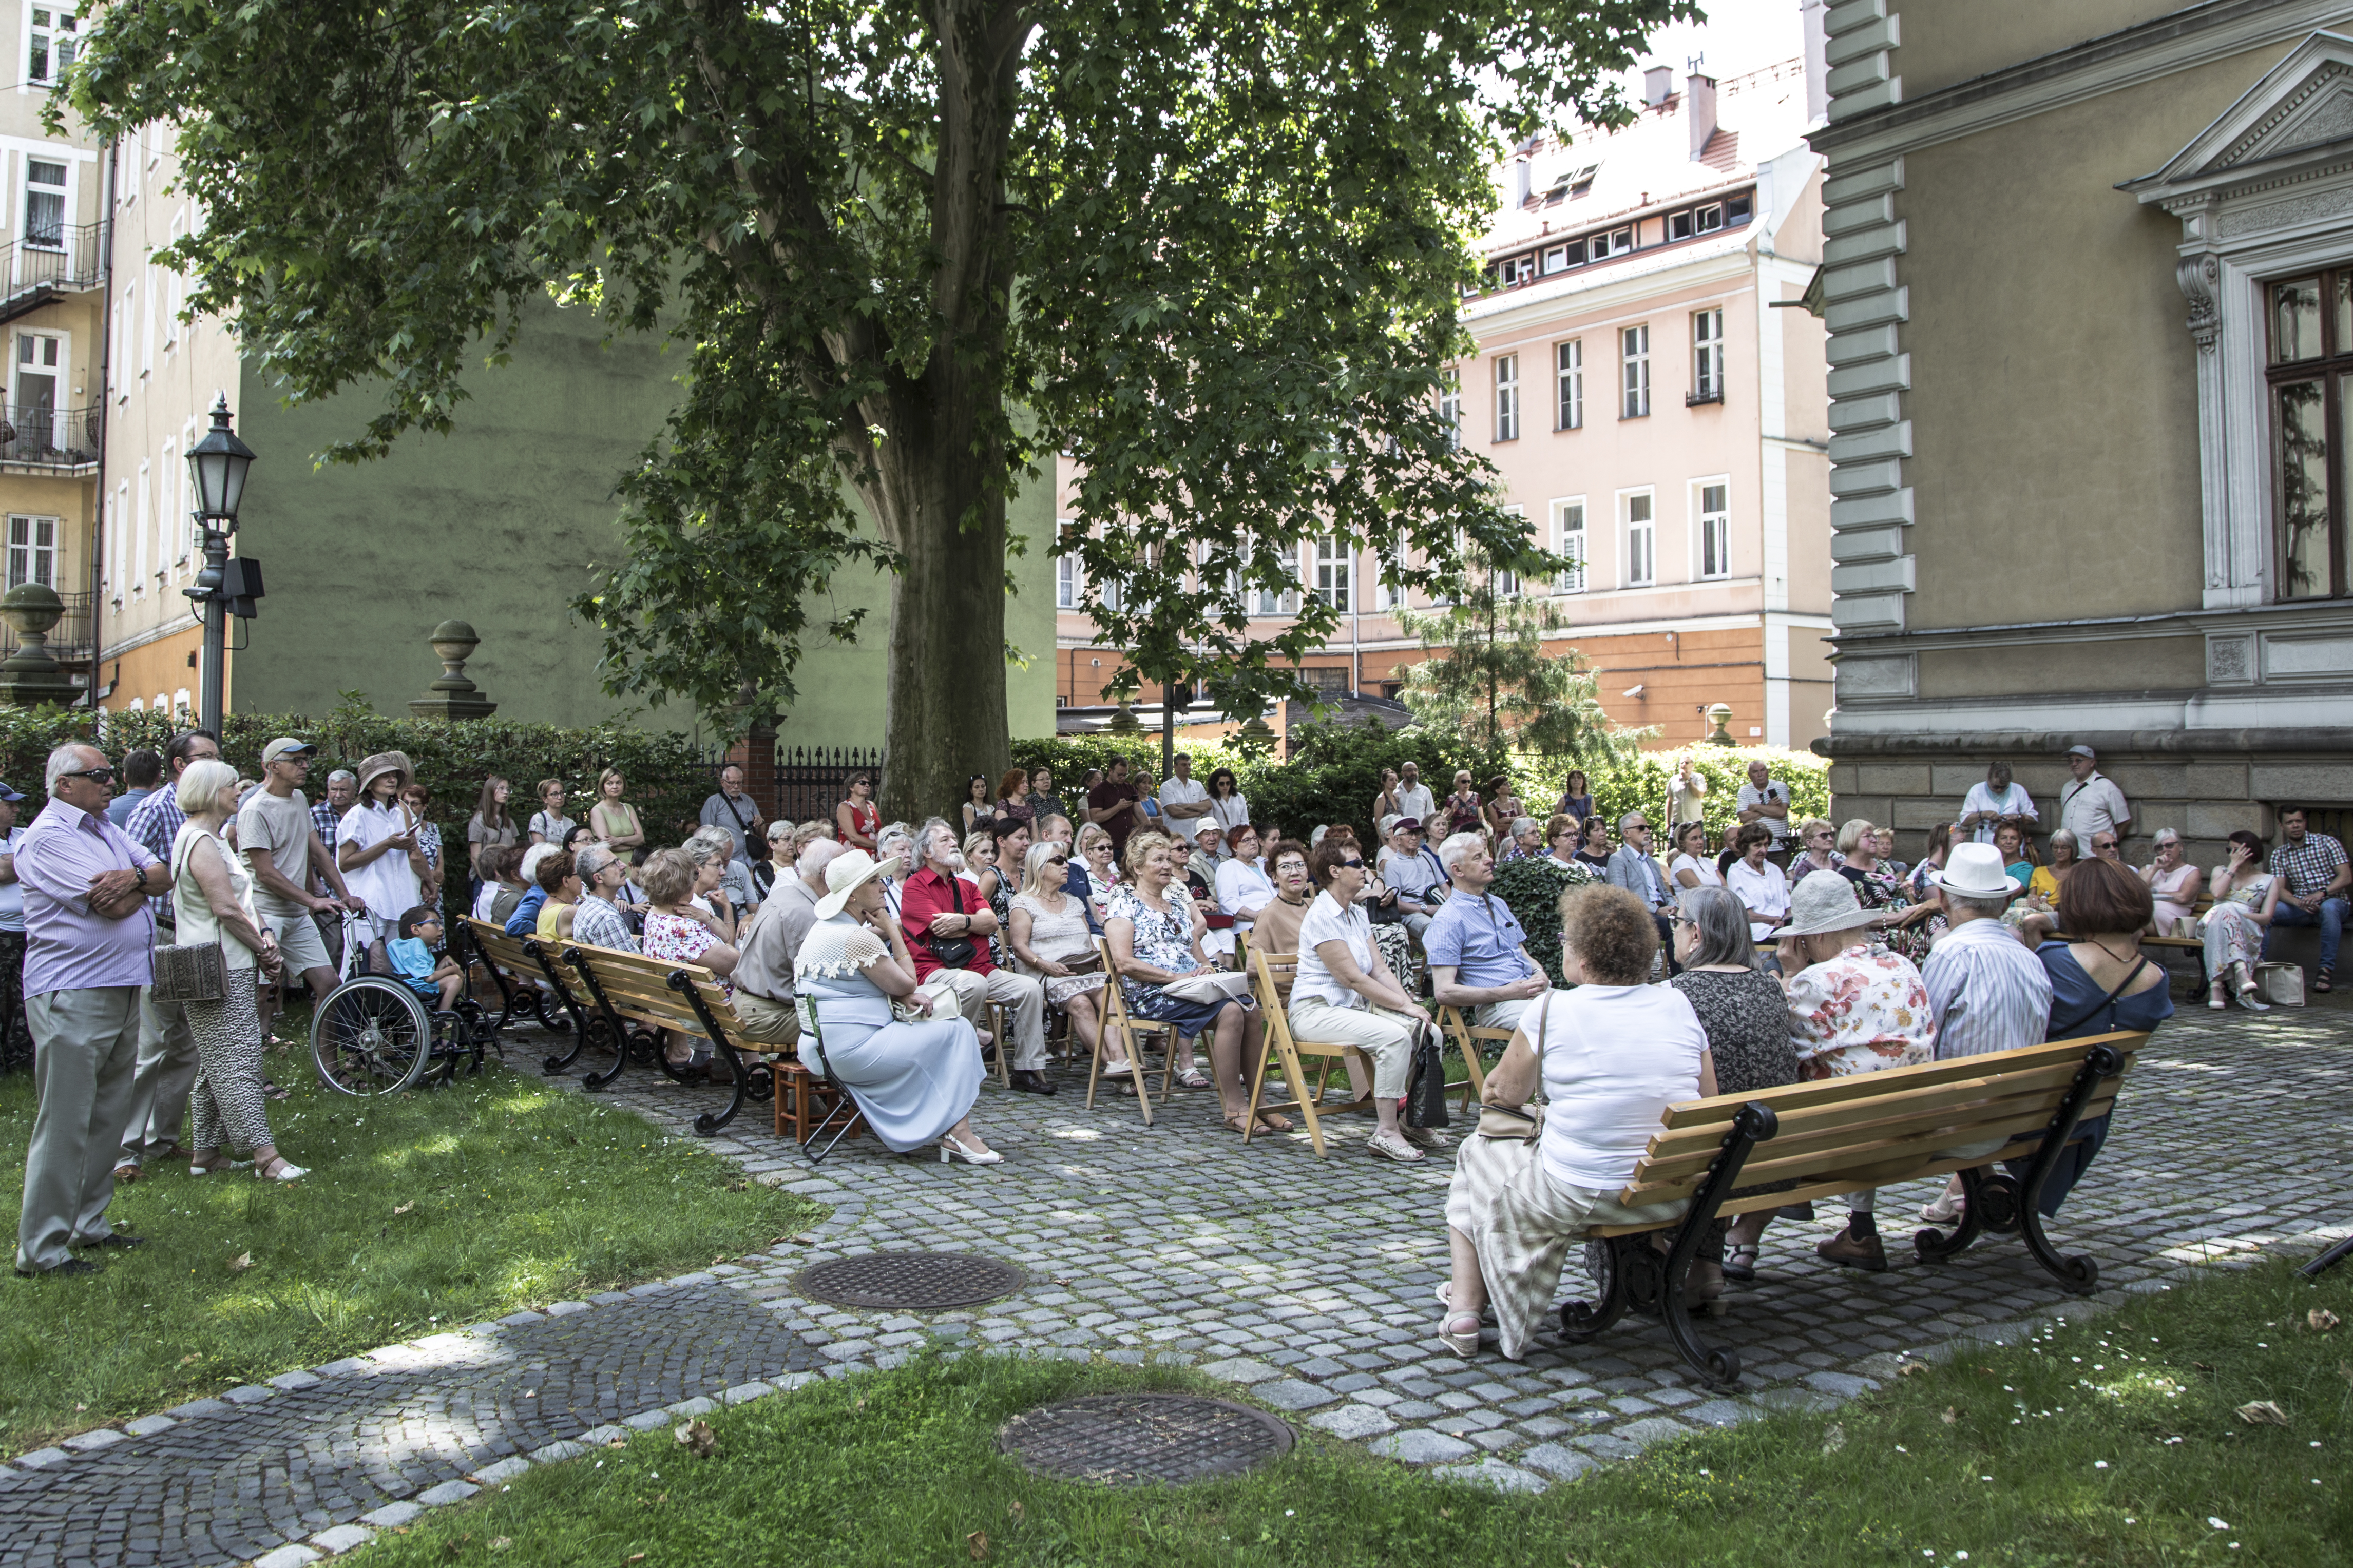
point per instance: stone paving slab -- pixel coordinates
(1305, 1283)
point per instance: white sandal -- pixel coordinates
(1456, 1339)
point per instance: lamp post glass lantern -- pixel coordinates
(216, 468)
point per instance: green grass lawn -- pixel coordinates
(2109, 1441)
(424, 1211)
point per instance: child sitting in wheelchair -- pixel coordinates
(413, 959)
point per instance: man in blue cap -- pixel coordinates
(12, 928)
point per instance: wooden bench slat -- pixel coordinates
(1956, 1123)
(1858, 1165)
(1722, 1108)
(1807, 1121)
(1752, 1204)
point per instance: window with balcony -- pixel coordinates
(1707, 357)
(1634, 361)
(1569, 542)
(1507, 397)
(1714, 519)
(2311, 377)
(1641, 540)
(44, 204)
(1568, 379)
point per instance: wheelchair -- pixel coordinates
(374, 1035)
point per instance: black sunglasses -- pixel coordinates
(97, 775)
(1357, 865)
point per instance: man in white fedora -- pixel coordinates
(1854, 1007)
(1986, 992)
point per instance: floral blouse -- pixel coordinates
(679, 939)
(1161, 940)
(1883, 887)
(1865, 1009)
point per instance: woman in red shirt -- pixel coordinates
(857, 819)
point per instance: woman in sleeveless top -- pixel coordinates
(1048, 933)
(211, 901)
(2246, 898)
(614, 819)
(2172, 883)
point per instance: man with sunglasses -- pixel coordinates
(168, 1052)
(1632, 867)
(88, 942)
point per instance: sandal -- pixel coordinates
(280, 1169)
(127, 1173)
(1740, 1261)
(1194, 1078)
(2321, 979)
(1274, 1122)
(1459, 1333)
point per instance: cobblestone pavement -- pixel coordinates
(1309, 1282)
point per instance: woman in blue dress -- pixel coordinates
(915, 1079)
(2100, 983)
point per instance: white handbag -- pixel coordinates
(1209, 988)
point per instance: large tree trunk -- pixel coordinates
(946, 704)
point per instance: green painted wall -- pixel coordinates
(499, 524)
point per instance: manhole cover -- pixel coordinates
(911, 1279)
(1120, 1439)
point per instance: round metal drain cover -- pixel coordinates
(1122, 1439)
(915, 1281)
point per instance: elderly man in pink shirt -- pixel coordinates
(88, 939)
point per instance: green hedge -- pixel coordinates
(668, 775)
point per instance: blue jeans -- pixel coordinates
(2330, 919)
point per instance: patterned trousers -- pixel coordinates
(228, 1094)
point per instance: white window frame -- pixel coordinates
(62, 19)
(1265, 602)
(1639, 536)
(62, 190)
(1711, 529)
(1336, 563)
(1450, 411)
(1707, 354)
(1503, 580)
(1389, 592)
(29, 559)
(1634, 370)
(1569, 384)
(1070, 581)
(1507, 397)
(1569, 541)
(142, 524)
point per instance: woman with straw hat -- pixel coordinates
(915, 1079)
(1854, 1007)
(380, 852)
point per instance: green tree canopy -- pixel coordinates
(1212, 250)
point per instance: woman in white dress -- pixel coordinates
(1226, 802)
(1693, 867)
(1048, 934)
(2172, 885)
(1758, 882)
(2246, 896)
(378, 850)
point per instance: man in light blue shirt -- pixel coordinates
(1478, 953)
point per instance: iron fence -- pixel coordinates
(54, 256)
(803, 781)
(44, 437)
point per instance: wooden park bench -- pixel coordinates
(1841, 1134)
(517, 965)
(2193, 945)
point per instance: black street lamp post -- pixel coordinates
(217, 465)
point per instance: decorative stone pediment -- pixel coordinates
(2301, 110)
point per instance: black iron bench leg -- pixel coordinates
(706, 1124)
(2075, 1272)
(597, 1081)
(564, 994)
(1581, 1320)
(1752, 1126)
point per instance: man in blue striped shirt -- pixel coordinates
(1986, 991)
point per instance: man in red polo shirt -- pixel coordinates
(938, 905)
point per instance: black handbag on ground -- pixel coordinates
(952, 952)
(1425, 1094)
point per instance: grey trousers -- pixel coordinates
(1021, 996)
(88, 1050)
(167, 1071)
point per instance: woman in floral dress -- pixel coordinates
(2245, 897)
(678, 932)
(1910, 926)
(1854, 1007)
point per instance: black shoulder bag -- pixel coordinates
(952, 951)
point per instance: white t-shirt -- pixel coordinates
(1242, 890)
(1230, 811)
(1751, 796)
(388, 884)
(2012, 802)
(1615, 1057)
(1417, 802)
(484, 898)
(1182, 792)
(1763, 891)
(1702, 866)
(1326, 921)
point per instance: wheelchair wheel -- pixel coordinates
(370, 1035)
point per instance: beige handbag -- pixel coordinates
(1522, 1123)
(190, 971)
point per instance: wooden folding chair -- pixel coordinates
(1280, 1045)
(1115, 1016)
(1466, 1037)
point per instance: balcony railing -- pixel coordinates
(65, 258)
(69, 641)
(46, 437)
